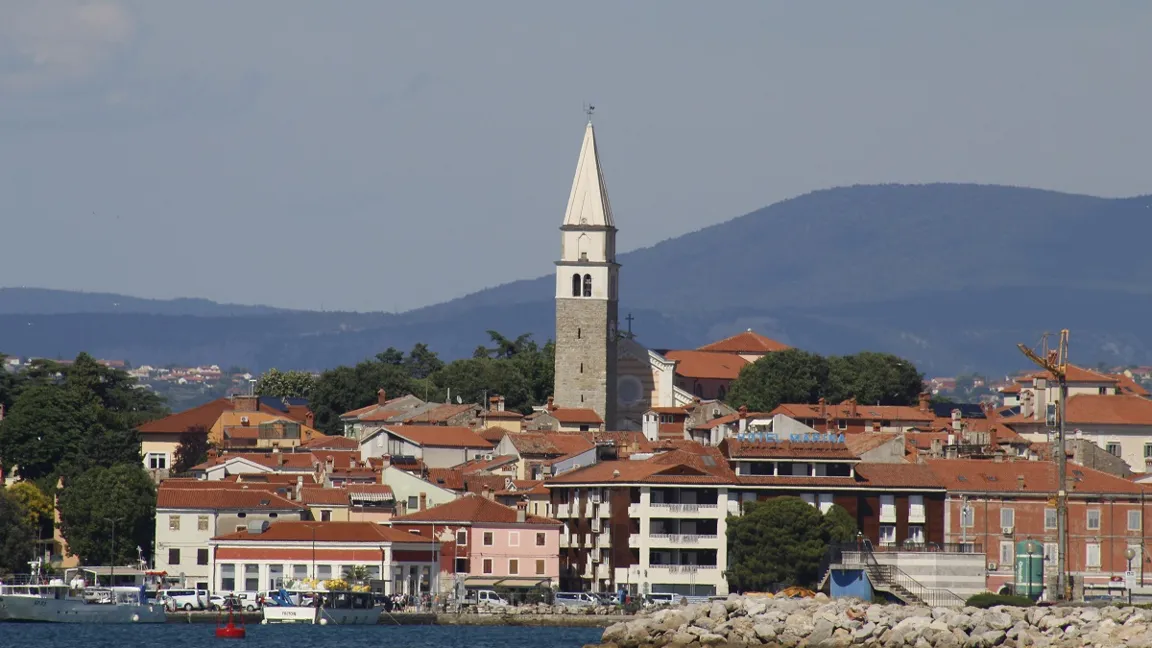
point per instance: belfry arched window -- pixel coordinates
(587, 285)
(576, 285)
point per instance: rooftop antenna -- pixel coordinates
(588, 110)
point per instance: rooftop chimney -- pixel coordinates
(551, 405)
(245, 403)
(299, 487)
(423, 501)
(381, 397)
(1020, 482)
(823, 407)
(521, 511)
(488, 492)
(875, 426)
(925, 401)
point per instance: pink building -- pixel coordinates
(489, 544)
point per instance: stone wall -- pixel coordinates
(586, 357)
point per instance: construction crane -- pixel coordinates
(1055, 362)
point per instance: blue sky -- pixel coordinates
(374, 155)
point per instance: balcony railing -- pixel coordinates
(681, 538)
(684, 508)
(634, 540)
(683, 569)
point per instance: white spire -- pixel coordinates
(588, 203)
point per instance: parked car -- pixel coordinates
(576, 599)
(185, 599)
(485, 597)
(661, 598)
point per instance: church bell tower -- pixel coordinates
(587, 292)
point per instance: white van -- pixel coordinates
(576, 599)
(485, 597)
(184, 599)
(661, 598)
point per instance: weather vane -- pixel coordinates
(588, 110)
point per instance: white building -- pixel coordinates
(266, 556)
(438, 446)
(189, 514)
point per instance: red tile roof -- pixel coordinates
(325, 532)
(786, 450)
(699, 465)
(576, 416)
(204, 416)
(1128, 385)
(1039, 477)
(862, 442)
(222, 499)
(440, 436)
(1095, 409)
(505, 415)
(707, 365)
(549, 443)
(748, 342)
(848, 411)
(441, 414)
(472, 509)
(324, 496)
(331, 443)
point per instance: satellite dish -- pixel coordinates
(458, 399)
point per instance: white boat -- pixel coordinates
(322, 607)
(31, 598)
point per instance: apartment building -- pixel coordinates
(658, 523)
(998, 503)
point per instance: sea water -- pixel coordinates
(203, 635)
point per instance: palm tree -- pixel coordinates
(356, 574)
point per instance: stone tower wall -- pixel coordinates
(582, 338)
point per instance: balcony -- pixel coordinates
(634, 540)
(664, 539)
(562, 510)
(566, 541)
(710, 510)
(916, 515)
(684, 573)
(603, 571)
(603, 510)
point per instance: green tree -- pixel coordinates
(839, 526)
(875, 378)
(100, 501)
(391, 355)
(37, 506)
(791, 376)
(473, 379)
(346, 388)
(781, 540)
(422, 362)
(356, 574)
(10, 383)
(46, 432)
(285, 384)
(17, 536)
(192, 450)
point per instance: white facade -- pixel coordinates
(407, 488)
(587, 266)
(1131, 443)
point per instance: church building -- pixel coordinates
(596, 368)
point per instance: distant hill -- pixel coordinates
(950, 276)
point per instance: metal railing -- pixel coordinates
(890, 577)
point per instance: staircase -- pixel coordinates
(888, 578)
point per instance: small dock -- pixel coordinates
(431, 618)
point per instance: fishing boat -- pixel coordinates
(329, 602)
(33, 598)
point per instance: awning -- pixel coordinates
(488, 581)
(370, 497)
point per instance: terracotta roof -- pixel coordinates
(576, 415)
(670, 410)
(449, 478)
(494, 434)
(440, 436)
(233, 422)
(379, 414)
(331, 443)
(975, 475)
(227, 483)
(707, 365)
(324, 496)
(204, 416)
(787, 450)
(272, 479)
(221, 499)
(474, 509)
(1128, 385)
(748, 342)
(326, 532)
(845, 411)
(898, 475)
(481, 464)
(1014, 388)
(441, 413)
(1095, 409)
(862, 442)
(730, 418)
(549, 443)
(505, 414)
(291, 460)
(706, 466)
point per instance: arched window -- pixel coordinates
(587, 285)
(576, 285)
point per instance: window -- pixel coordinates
(915, 534)
(461, 537)
(173, 556)
(916, 509)
(324, 572)
(542, 539)
(1113, 449)
(1007, 518)
(1007, 553)
(826, 502)
(887, 534)
(1049, 519)
(1092, 559)
(539, 567)
(173, 522)
(513, 538)
(1093, 519)
(576, 286)
(413, 503)
(1148, 450)
(202, 523)
(251, 577)
(513, 566)
(487, 539)
(299, 571)
(809, 498)
(228, 577)
(842, 424)
(240, 528)
(1133, 520)
(1137, 556)
(487, 565)
(201, 556)
(968, 517)
(461, 565)
(325, 516)
(587, 285)
(888, 508)
(157, 461)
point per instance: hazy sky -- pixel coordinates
(379, 155)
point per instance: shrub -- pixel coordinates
(988, 600)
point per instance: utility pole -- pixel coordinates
(1056, 363)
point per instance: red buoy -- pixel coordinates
(230, 630)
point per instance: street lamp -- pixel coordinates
(1129, 553)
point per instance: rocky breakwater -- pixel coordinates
(821, 623)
